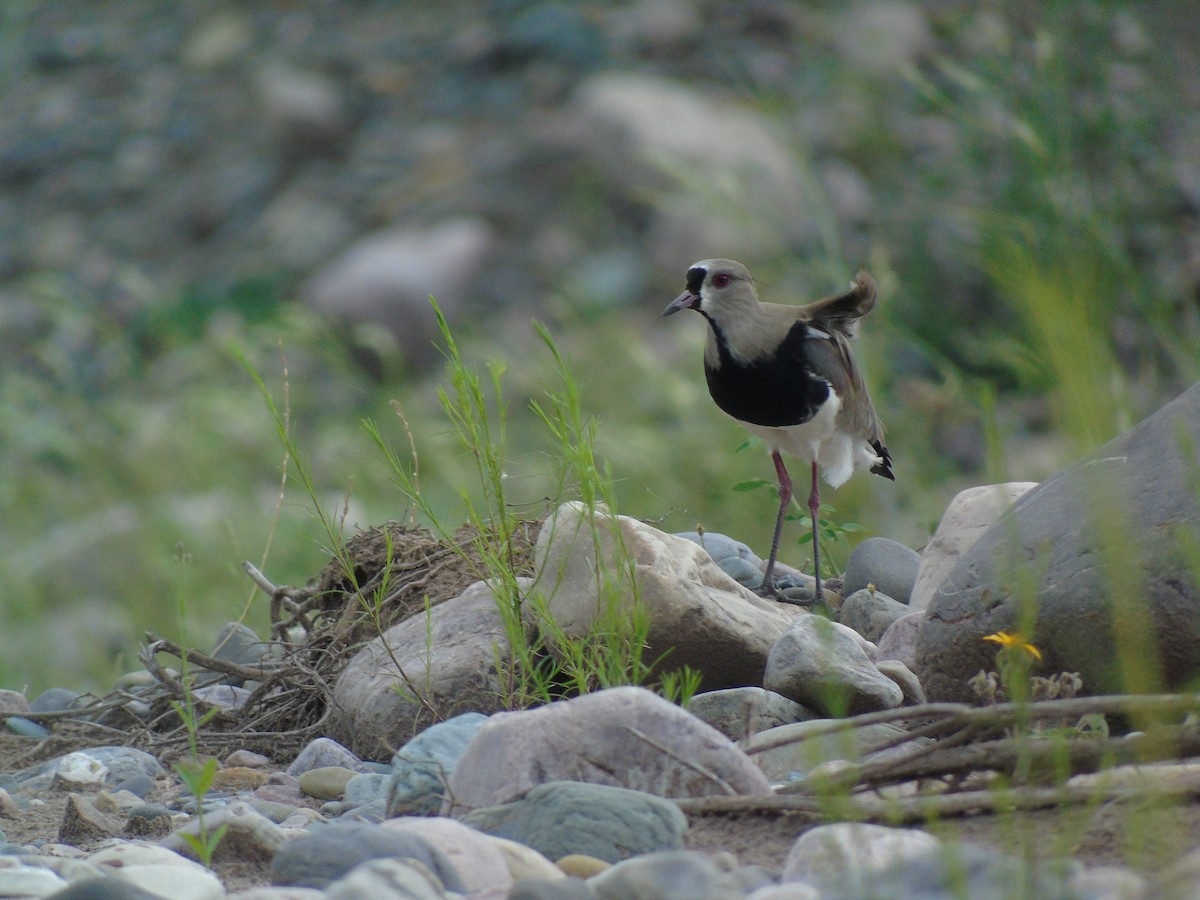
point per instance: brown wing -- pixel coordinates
(841, 312)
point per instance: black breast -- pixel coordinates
(776, 390)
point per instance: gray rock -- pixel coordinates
(887, 564)
(1119, 883)
(731, 710)
(736, 559)
(13, 702)
(117, 765)
(668, 875)
(239, 644)
(819, 664)
(54, 699)
(225, 696)
(98, 888)
(450, 655)
(321, 752)
(387, 879)
(853, 853)
(249, 835)
(797, 749)
(388, 278)
(550, 889)
(899, 642)
(366, 787)
(623, 737)
(968, 517)
(697, 612)
(565, 817)
(1111, 524)
(951, 872)
(870, 613)
(476, 857)
(894, 669)
(420, 769)
(327, 852)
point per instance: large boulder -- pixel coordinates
(623, 737)
(699, 616)
(443, 662)
(1105, 553)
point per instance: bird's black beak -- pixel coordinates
(686, 300)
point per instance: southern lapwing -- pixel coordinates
(786, 374)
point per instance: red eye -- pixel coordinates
(721, 280)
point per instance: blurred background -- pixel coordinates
(186, 183)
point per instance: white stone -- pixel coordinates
(852, 853)
(823, 665)
(174, 881)
(970, 514)
(478, 861)
(525, 862)
(697, 612)
(79, 768)
(28, 881)
(387, 879)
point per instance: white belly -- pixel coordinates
(819, 440)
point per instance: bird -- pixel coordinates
(787, 375)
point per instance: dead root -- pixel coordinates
(381, 577)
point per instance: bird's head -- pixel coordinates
(715, 286)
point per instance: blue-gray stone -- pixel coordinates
(140, 784)
(321, 752)
(104, 888)
(550, 889)
(730, 710)
(949, 873)
(26, 727)
(366, 788)
(54, 700)
(887, 564)
(870, 613)
(721, 547)
(563, 817)
(417, 784)
(122, 763)
(327, 852)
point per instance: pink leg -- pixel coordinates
(814, 511)
(785, 497)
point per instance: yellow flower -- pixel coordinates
(1013, 640)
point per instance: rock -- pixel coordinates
(29, 881)
(797, 749)
(646, 133)
(968, 517)
(870, 613)
(278, 893)
(730, 711)
(326, 782)
(880, 36)
(525, 862)
(173, 881)
(417, 784)
(550, 889)
(475, 857)
(237, 643)
(366, 787)
(580, 865)
(613, 737)
(565, 817)
(961, 871)
(249, 835)
(820, 664)
(894, 669)
(327, 852)
(851, 854)
(899, 642)
(388, 277)
(323, 752)
(1112, 524)
(451, 654)
(387, 879)
(239, 778)
(54, 699)
(887, 564)
(697, 612)
(13, 702)
(112, 765)
(246, 759)
(1118, 883)
(83, 824)
(672, 875)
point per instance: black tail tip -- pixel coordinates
(884, 468)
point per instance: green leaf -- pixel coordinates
(748, 443)
(752, 485)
